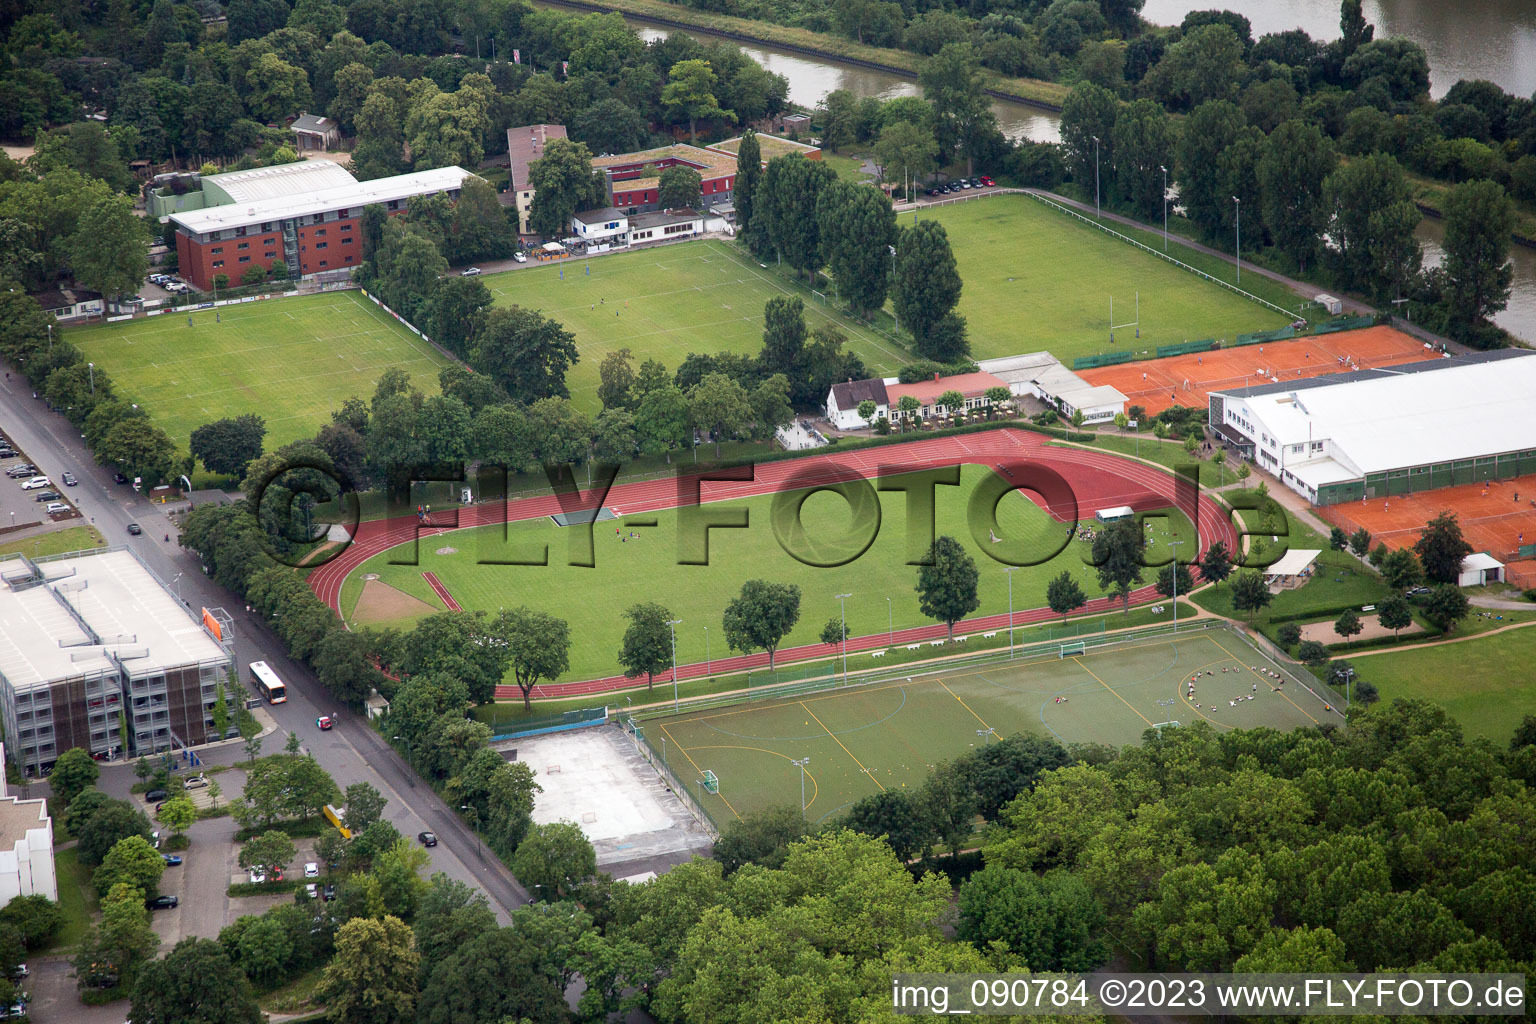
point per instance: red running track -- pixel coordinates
(441, 592)
(1098, 480)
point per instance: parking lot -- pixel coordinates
(19, 507)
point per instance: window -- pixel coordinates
(321, 245)
(218, 263)
(341, 214)
(346, 227)
(245, 259)
(216, 249)
(269, 255)
(319, 231)
(243, 245)
(323, 263)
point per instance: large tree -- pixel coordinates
(196, 983)
(538, 646)
(947, 583)
(524, 351)
(689, 95)
(1209, 131)
(1090, 112)
(108, 251)
(761, 616)
(1142, 150)
(1216, 563)
(1064, 595)
(229, 445)
(647, 647)
(554, 859)
(1478, 221)
(73, 773)
(720, 405)
(563, 183)
(1054, 922)
(926, 283)
(785, 209)
(1371, 219)
(906, 151)
(858, 228)
(783, 334)
(371, 979)
(1297, 158)
(131, 860)
(680, 188)
(964, 124)
(1117, 556)
(1250, 593)
(1441, 548)
(749, 173)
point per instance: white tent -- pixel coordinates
(1293, 568)
(1479, 568)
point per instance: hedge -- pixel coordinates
(264, 888)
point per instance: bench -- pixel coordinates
(988, 636)
(877, 654)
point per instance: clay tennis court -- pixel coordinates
(1156, 384)
(1491, 518)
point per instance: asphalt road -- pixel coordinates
(351, 752)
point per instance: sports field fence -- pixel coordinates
(690, 799)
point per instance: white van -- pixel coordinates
(34, 483)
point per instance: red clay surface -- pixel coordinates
(441, 591)
(1157, 384)
(1098, 479)
(1492, 518)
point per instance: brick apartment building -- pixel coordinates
(524, 146)
(312, 232)
(634, 184)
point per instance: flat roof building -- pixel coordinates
(87, 638)
(525, 145)
(1394, 430)
(634, 179)
(1048, 379)
(311, 230)
(26, 846)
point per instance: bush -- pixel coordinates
(924, 369)
(1530, 595)
(1312, 652)
(264, 888)
(1288, 635)
(1365, 693)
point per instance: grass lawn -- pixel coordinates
(646, 568)
(77, 899)
(75, 538)
(849, 168)
(664, 303)
(1037, 279)
(295, 995)
(290, 360)
(1489, 701)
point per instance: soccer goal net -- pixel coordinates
(1075, 647)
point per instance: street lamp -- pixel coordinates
(890, 622)
(985, 735)
(801, 765)
(1095, 176)
(410, 776)
(707, 669)
(176, 583)
(1010, 570)
(92, 368)
(1237, 252)
(843, 611)
(50, 339)
(672, 624)
(1165, 206)
(892, 249)
(475, 828)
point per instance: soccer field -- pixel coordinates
(1037, 279)
(665, 302)
(889, 734)
(290, 360)
(645, 568)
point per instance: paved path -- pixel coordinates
(1502, 603)
(1096, 479)
(1440, 643)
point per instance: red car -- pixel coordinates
(325, 722)
(987, 182)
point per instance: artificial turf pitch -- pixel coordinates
(886, 736)
(667, 302)
(646, 568)
(1037, 279)
(289, 360)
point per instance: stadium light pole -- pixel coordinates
(672, 624)
(1175, 544)
(1095, 176)
(985, 734)
(1349, 680)
(1165, 206)
(92, 368)
(801, 763)
(892, 249)
(707, 670)
(1237, 251)
(843, 611)
(890, 621)
(1010, 570)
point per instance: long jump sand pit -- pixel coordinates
(381, 603)
(595, 778)
(1157, 384)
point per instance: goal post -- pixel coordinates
(1073, 648)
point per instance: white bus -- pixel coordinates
(267, 684)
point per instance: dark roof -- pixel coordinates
(65, 297)
(313, 123)
(593, 216)
(662, 217)
(849, 394)
(525, 145)
(1232, 434)
(1422, 366)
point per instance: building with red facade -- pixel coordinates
(312, 232)
(634, 182)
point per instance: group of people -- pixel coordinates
(1190, 686)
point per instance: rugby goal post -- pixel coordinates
(1073, 648)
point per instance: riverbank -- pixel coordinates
(1032, 91)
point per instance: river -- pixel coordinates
(1492, 39)
(1519, 318)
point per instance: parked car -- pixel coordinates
(324, 722)
(311, 870)
(258, 876)
(987, 181)
(520, 256)
(163, 903)
(118, 478)
(1415, 591)
(34, 483)
(69, 479)
(197, 782)
(19, 971)
(47, 496)
(155, 795)
(7, 452)
(134, 529)
(470, 272)
(329, 892)
(426, 838)
(56, 508)
(171, 860)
